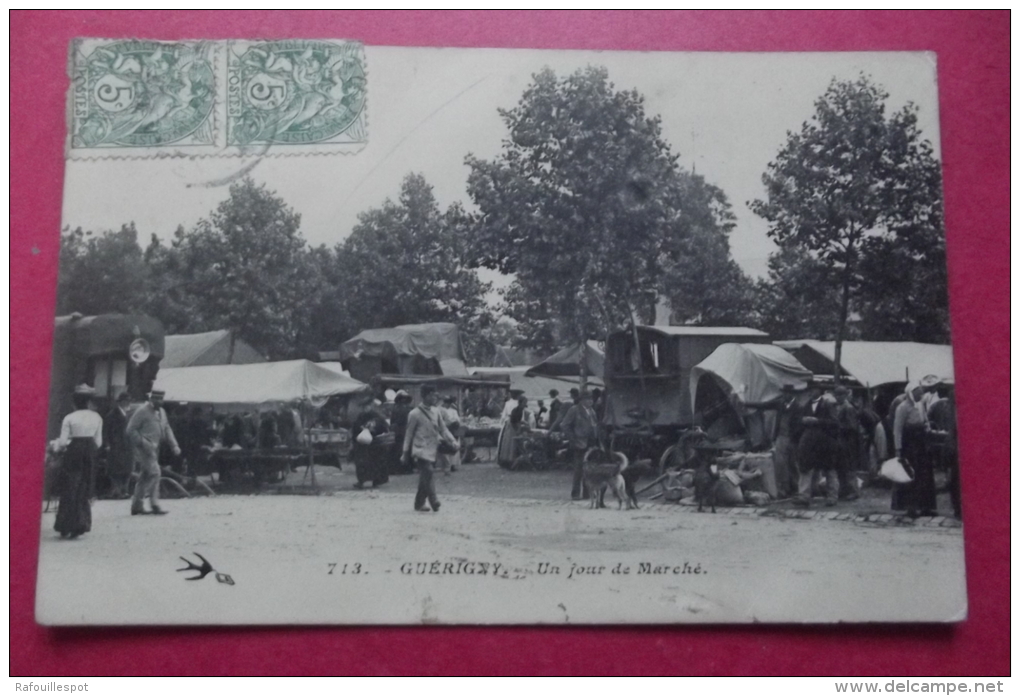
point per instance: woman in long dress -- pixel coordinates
(910, 426)
(81, 436)
(371, 459)
(506, 452)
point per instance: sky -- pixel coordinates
(725, 114)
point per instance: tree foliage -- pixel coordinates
(587, 208)
(247, 268)
(860, 192)
(799, 298)
(101, 272)
(244, 269)
(405, 263)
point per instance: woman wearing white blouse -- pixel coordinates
(81, 435)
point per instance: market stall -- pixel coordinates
(469, 391)
(881, 367)
(728, 388)
(251, 391)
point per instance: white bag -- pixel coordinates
(893, 470)
(364, 437)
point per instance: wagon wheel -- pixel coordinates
(680, 455)
(672, 458)
(676, 457)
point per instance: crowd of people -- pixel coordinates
(578, 422)
(824, 440)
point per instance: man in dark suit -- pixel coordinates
(581, 426)
(818, 451)
(118, 454)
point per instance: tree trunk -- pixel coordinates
(844, 310)
(582, 365)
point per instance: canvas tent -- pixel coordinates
(209, 348)
(567, 362)
(726, 387)
(875, 363)
(752, 372)
(414, 349)
(256, 384)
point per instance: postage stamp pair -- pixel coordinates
(142, 98)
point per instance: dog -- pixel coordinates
(706, 479)
(598, 476)
(631, 475)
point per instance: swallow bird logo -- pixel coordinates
(204, 569)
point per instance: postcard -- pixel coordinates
(353, 334)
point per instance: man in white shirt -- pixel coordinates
(425, 428)
(148, 428)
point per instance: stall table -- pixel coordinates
(265, 466)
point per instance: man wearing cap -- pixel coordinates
(787, 433)
(581, 426)
(146, 430)
(115, 445)
(425, 428)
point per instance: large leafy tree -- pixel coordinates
(587, 208)
(101, 273)
(244, 268)
(856, 189)
(405, 262)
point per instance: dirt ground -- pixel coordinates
(506, 547)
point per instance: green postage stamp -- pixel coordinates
(144, 98)
(295, 93)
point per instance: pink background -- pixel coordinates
(973, 65)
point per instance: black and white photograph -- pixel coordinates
(351, 334)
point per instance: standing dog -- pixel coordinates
(598, 476)
(706, 478)
(631, 475)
